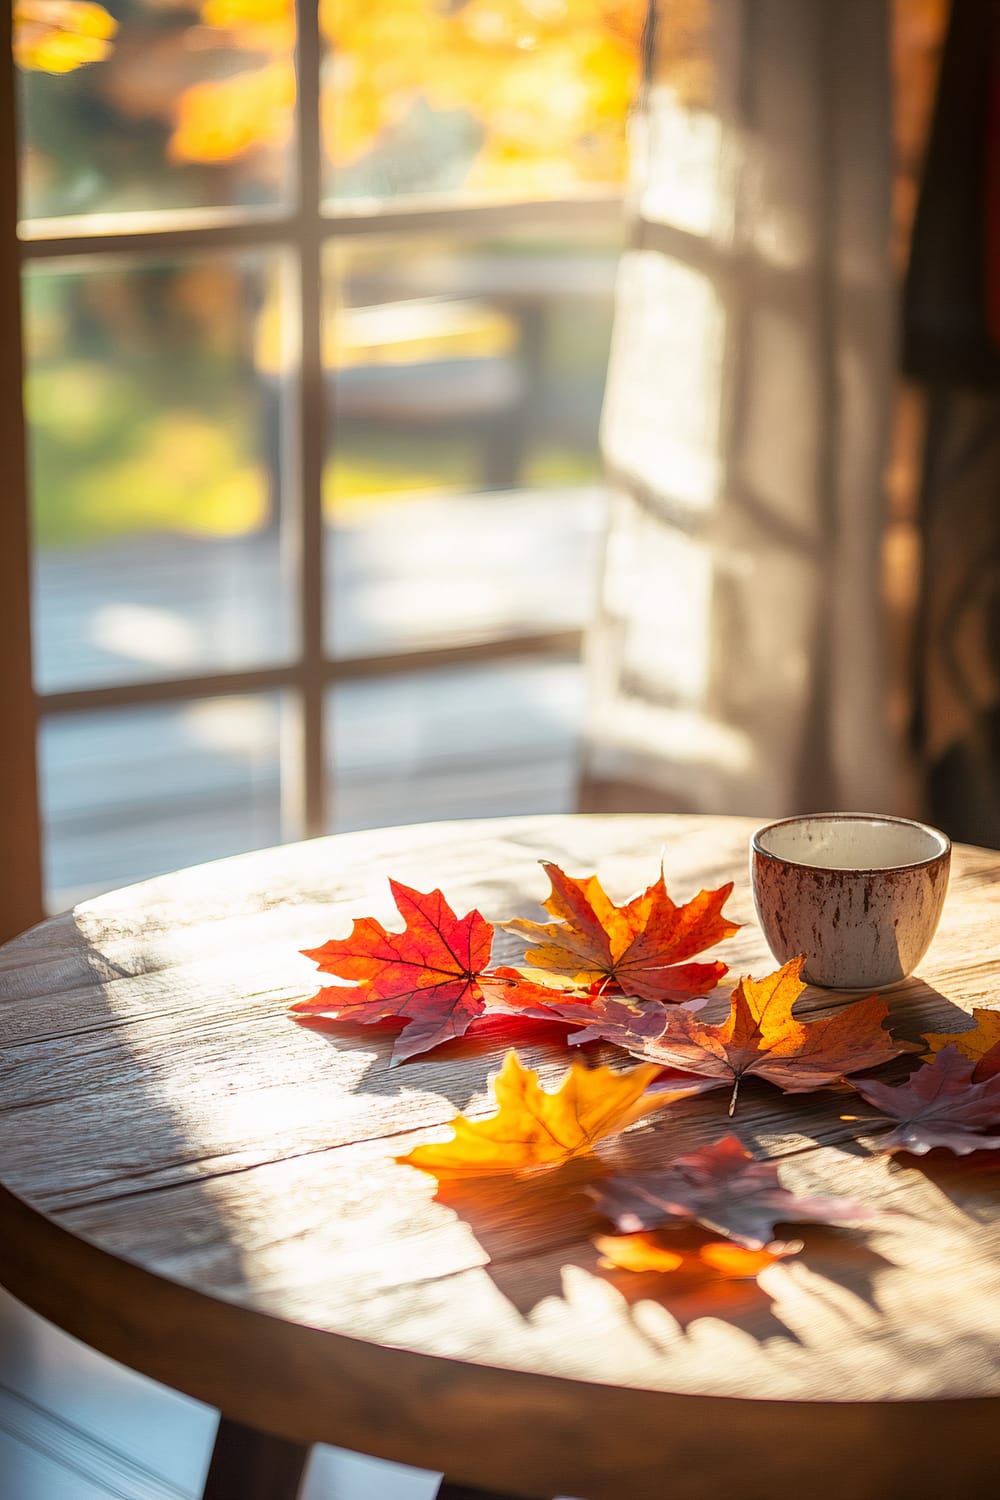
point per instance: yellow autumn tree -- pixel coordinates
(548, 82)
(58, 36)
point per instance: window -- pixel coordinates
(316, 320)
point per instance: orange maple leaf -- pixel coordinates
(427, 976)
(761, 1037)
(640, 946)
(533, 1128)
(980, 1043)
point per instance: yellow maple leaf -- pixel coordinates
(974, 1043)
(533, 1128)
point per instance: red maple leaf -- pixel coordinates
(722, 1188)
(641, 947)
(944, 1103)
(760, 1037)
(427, 976)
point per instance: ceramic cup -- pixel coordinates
(858, 893)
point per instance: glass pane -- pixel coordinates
(152, 398)
(135, 792)
(492, 97)
(162, 106)
(463, 477)
(456, 742)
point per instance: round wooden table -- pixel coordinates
(205, 1190)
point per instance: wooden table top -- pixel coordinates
(199, 1187)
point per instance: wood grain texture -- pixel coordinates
(205, 1190)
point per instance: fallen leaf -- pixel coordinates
(761, 1038)
(650, 1252)
(599, 1017)
(509, 992)
(981, 1042)
(534, 1128)
(427, 976)
(722, 1188)
(641, 946)
(940, 1104)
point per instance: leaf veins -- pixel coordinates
(941, 1104)
(427, 976)
(760, 1038)
(642, 946)
(533, 1128)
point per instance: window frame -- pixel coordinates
(21, 866)
(301, 232)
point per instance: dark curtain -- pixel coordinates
(951, 329)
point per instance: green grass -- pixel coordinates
(114, 454)
(361, 473)
(108, 460)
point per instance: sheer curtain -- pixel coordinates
(738, 661)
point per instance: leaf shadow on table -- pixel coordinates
(916, 1007)
(971, 1183)
(458, 1070)
(840, 1261)
(537, 1234)
(115, 1133)
(745, 1303)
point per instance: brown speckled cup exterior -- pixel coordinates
(859, 928)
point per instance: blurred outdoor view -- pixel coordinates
(463, 372)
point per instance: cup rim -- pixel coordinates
(852, 817)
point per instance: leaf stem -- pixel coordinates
(732, 1097)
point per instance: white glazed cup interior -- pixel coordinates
(851, 841)
(858, 894)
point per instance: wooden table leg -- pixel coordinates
(448, 1490)
(251, 1465)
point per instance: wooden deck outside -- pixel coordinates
(135, 792)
